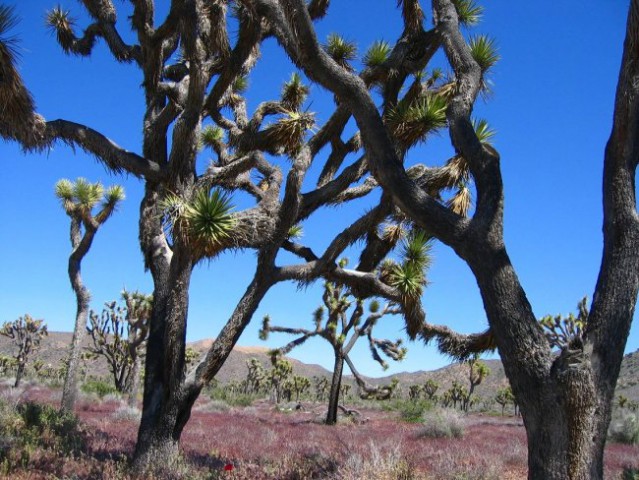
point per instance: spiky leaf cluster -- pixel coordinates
(211, 136)
(206, 223)
(294, 93)
(266, 328)
(8, 44)
(61, 23)
(483, 131)
(484, 51)
(377, 54)
(296, 231)
(289, 131)
(410, 123)
(240, 84)
(341, 50)
(81, 196)
(469, 12)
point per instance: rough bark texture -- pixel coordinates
(333, 396)
(81, 245)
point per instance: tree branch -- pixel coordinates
(113, 156)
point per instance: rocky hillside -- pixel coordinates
(54, 348)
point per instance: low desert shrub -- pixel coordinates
(99, 387)
(413, 411)
(624, 427)
(29, 427)
(442, 423)
(378, 466)
(233, 399)
(408, 410)
(630, 473)
(125, 412)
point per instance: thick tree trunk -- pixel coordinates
(333, 398)
(169, 394)
(556, 394)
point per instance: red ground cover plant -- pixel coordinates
(260, 442)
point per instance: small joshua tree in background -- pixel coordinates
(503, 397)
(78, 200)
(478, 371)
(280, 377)
(26, 334)
(256, 377)
(430, 388)
(564, 331)
(118, 334)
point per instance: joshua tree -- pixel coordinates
(503, 397)
(300, 385)
(563, 331)
(321, 388)
(78, 199)
(456, 393)
(26, 334)
(344, 325)
(279, 376)
(197, 86)
(414, 392)
(341, 322)
(6, 363)
(119, 334)
(477, 372)
(256, 377)
(430, 388)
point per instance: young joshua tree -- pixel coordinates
(345, 322)
(119, 334)
(26, 334)
(342, 327)
(477, 372)
(78, 200)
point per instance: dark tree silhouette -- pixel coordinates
(26, 334)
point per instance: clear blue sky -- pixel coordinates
(552, 108)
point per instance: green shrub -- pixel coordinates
(442, 423)
(240, 400)
(29, 427)
(100, 388)
(413, 411)
(630, 473)
(624, 427)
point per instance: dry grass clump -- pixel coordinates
(377, 465)
(624, 427)
(442, 423)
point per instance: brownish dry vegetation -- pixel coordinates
(264, 442)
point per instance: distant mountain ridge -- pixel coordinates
(54, 348)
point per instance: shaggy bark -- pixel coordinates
(81, 245)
